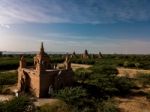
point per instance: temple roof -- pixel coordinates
(42, 54)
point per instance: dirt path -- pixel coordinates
(6, 97)
(131, 73)
(43, 101)
(77, 66)
(136, 101)
(133, 104)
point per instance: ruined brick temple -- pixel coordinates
(43, 75)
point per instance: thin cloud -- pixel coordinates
(73, 11)
(4, 26)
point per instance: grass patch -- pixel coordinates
(143, 79)
(17, 104)
(8, 78)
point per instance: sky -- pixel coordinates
(109, 26)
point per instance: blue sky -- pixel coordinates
(109, 26)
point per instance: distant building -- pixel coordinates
(1, 53)
(42, 78)
(85, 55)
(100, 55)
(73, 55)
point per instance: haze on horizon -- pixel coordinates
(109, 26)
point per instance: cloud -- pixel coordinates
(121, 46)
(61, 43)
(73, 11)
(4, 26)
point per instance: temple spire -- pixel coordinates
(22, 62)
(42, 48)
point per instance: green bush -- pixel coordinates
(57, 60)
(82, 74)
(106, 70)
(71, 95)
(1, 88)
(54, 108)
(130, 64)
(126, 64)
(106, 87)
(20, 104)
(123, 84)
(144, 79)
(83, 61)
(148, 96)
(79, 100)
(137, 65)
(107, 106)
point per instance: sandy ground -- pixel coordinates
(133, 104)
(131, 73)
(38, 102)
(43, 101)
(6, 97)
(77, 66)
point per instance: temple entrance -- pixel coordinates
(25, 83)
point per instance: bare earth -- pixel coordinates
(6, 97)
(131, 73)
(77, 66)
(43, 101)
(135, 102)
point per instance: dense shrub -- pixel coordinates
(123, 84)
(144, 79)
(137, 65)
(126, 64)
(130, 64)
(83, 61)
(148, 96)
(71, 95)
(107, 106)
(79, 100)
(7, 78)
(1, 88)
(57, 60)
(101, 87)
(20, 104)
(82, 74)
(106, 70)
(54, 108)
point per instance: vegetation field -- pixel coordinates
(95, 87)
(9, 62)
